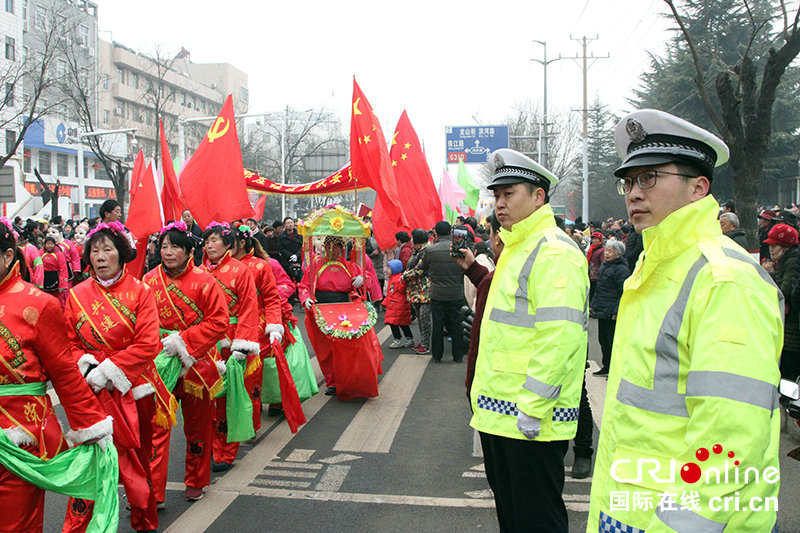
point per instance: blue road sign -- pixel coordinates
(473, 144)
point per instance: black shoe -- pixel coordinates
(220, 467)
(436, 360)
(602, 372)
(330, 391)
(274, 411)
(581, 468)
(458, 360)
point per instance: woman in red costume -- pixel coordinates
(113, 329)
(249, 252)
(241, 338)
(330, 279)
(34, 350)
(193, 316)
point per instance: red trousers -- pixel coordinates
(198, 416)
(79, 512)
(224, 451)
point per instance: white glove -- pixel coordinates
(308, 303)
(358, 281)
(104, 441)
(97, 380)
(275, 337)
(293, 258)
(528, 425)
(240, 356)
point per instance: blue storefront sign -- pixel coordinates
(473, 144)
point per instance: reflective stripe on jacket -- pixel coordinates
(532, 348)
(693, 381)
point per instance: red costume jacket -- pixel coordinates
(34, 349)
(324, 275)
(286, 286)
(33, 261)
(71, 254)
(54, 263)
(269, 301)
(116, 328)
(193, 305)
(236, 282)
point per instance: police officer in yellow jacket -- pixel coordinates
(690, 431)
(530, 365)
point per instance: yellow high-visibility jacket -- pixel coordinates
(532, 351)
(692, 388)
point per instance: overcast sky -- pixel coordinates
(446, 63)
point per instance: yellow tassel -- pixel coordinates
(193, 388)
(216, 388)
(253, 365)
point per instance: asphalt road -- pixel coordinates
(405, 461)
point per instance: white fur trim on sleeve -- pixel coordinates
(221, 367)
(140, 391)
(248, 347)
(273, 328)
(96, 431)
(85, 362)
(225, 343)
(175, 345)
(115, 375)
(19, 436)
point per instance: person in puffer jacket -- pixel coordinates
(398, 310)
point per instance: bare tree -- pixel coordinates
(745, 104)
(159, 94)
(29, 82)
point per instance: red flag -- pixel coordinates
(415, 187)
(260, 205)
(170, 194)
(211, 182)
(144, 215)
(371, 165)
(136, 174)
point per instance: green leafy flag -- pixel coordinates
(465, 180)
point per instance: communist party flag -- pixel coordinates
(136, 174)
(144, 217)
(415, 187)
(372, 167)
(211, 182)
(170, 194)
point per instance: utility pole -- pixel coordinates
(584, 57)
(543, 152)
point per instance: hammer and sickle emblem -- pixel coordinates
(214, 133)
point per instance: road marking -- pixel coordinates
(477, 449)
(300, 456)
(287, 473)
(474, 474)
(480, 493)
(596, 389)
(220, 495)
(341, 458)
(384, 334)
(332, 478)
(53, 397)
(372, 430)
(282, 483)
(308, 466)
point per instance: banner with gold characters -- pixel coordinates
(338, 183)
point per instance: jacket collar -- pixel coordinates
(211, 266)
(540, 219)
(12, 276)
(189, 264)
(682, 229)
(120, 277)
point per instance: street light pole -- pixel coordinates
(543, 152)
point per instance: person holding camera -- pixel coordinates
(447, 292)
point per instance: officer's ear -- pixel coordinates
(701, 188)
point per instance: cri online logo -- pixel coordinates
(660, 471)
(691, 472)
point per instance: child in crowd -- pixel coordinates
(56, 275)
(398, 310)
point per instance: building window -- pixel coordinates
(120, 109)
(83, 78)
(106, 116)
(26, 160)
(44, 162)
(183, 99)
(41, 15)
(120, 75)
(85, 167)
(11, 140)
(61, 165)
(9, 6)
(135, 80)
(83, 35)
(8, 99)
(245, 95)
(24, 10)
(10, 49)
(105, 82)
(25, 53)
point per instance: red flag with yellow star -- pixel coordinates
(211, 182)
(371, 166)
(415, 187)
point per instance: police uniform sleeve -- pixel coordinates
(557, 289)
(735, 334)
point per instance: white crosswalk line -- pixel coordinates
(332, 478)
(596, 390)
(287, 473)
(282, 483)
(300, 456)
